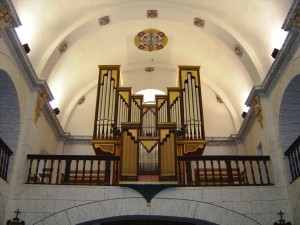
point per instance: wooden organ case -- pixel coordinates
(148, 137)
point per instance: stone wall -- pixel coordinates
(77, 204)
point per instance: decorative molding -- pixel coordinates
(246, 125)
(151, 40)
(152, 14)
(238, 50)
(6, 18)
(278, 67)
(16, 49)
(41, 100)
(296, 20)
(78, 139)
(104, 20)
(81, 100)
(221, 141)
(199, 22)
(63, 47)
(219, 99)
(287, 25)
(257, 107)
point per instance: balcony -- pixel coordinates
(190, 171)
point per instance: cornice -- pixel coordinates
(287, 25)
(16, 48)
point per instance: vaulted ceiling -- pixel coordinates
(233, 48)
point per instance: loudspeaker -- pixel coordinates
(275, 52)
(244, 114)
(56, 111)
(26, 48)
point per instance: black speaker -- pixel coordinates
(275, 52)
(244, 114)
(56, 111)
(26, 48)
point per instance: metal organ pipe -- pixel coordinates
(106, 106)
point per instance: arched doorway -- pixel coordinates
(148, 220)
(289, 117)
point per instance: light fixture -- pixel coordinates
(281, 221)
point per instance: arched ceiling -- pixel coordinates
(253, 25)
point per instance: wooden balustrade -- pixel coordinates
(73, 169)
(293, 155)
(5, 154)
(223, 170)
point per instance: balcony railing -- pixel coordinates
(5, 154)
(224, 170)
(293, 154)
(73, 169)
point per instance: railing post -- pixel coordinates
(189, 177)
(67, 171)
(229, 171)
(107, 172)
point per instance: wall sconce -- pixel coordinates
(281, 221)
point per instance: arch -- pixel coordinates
(9, 115)
(289, 116)
(169, 220)
(137, 206)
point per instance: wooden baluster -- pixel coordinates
(179, 172)
(44, 170)
(5, 163)
(189, 177)
(252, 172)
(117, 172)
(91, 172)
(107, 172)
(36, 171)
(213, 172)
(29, 172)
(57, 173)
(76, 171)
(83, 171)
(205, 173)
(67, 170)
(260, 175)
(267, 171)
(2, 168)
(6, 169)
(296, 161)
(229, 172)
(298, 154)
(197, 175)
(1, 159)
(294, 164)
(51, 170)
(220, 172)
(98, 172)
(291, 167)
(238, 171)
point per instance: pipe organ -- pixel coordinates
(148, 137)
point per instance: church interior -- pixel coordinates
(177, 112)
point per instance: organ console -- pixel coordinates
(148, 137)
